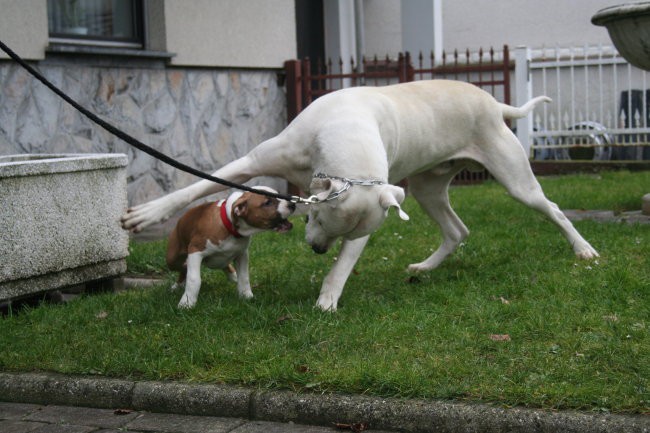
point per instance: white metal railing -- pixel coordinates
(600, 108)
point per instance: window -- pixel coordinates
(117, 23)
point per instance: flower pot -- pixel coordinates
(629, 27)
(59, 221)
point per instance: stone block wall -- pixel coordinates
(202, 117)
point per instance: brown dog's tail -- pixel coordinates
(510, 112)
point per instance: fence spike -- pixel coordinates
(551, 122)
(637, 119)
(608, 119)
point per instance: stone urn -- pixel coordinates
(629, 28)
(60, 221)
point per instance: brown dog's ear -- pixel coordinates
(240, 207)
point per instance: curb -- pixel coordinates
(417, 416)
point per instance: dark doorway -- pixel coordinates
(310, 30)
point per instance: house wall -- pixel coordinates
(489, 23)
(216, 99)
(230, 33)
(23, 27)
(203, 117)
(383, 27)
(251, 33)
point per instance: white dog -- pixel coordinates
(426, 131)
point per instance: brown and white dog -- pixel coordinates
(218, 234)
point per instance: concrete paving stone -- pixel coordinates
(170, 423)
(16, 410)
(274, 427)
(116, 431)
(105, 418)
(64, 428)
(16, 426)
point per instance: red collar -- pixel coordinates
(226, 221)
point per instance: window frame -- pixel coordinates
(138, 42)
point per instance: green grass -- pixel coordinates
(578, 330)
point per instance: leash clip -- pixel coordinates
(308, 200)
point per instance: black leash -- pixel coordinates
(138, 144)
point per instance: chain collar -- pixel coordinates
(347, 184)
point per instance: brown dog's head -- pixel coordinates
(252, 213)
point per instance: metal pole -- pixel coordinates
(524, 90)
(361, 39)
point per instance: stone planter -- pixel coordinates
(629, 27)
(59, 221)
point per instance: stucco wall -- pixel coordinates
(492, 23)
(251, 33)
(383, 27)
(23, 27)
(488, 23)
(224, 33)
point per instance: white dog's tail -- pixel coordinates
(510, 112)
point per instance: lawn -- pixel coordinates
(512, 317)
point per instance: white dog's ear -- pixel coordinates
(393, 196)
(322, 188)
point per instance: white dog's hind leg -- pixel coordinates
(335, 280)
(431, 192)
(507, 162)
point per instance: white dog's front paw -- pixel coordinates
(585, 251)
(139, 217)
(326, 303)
